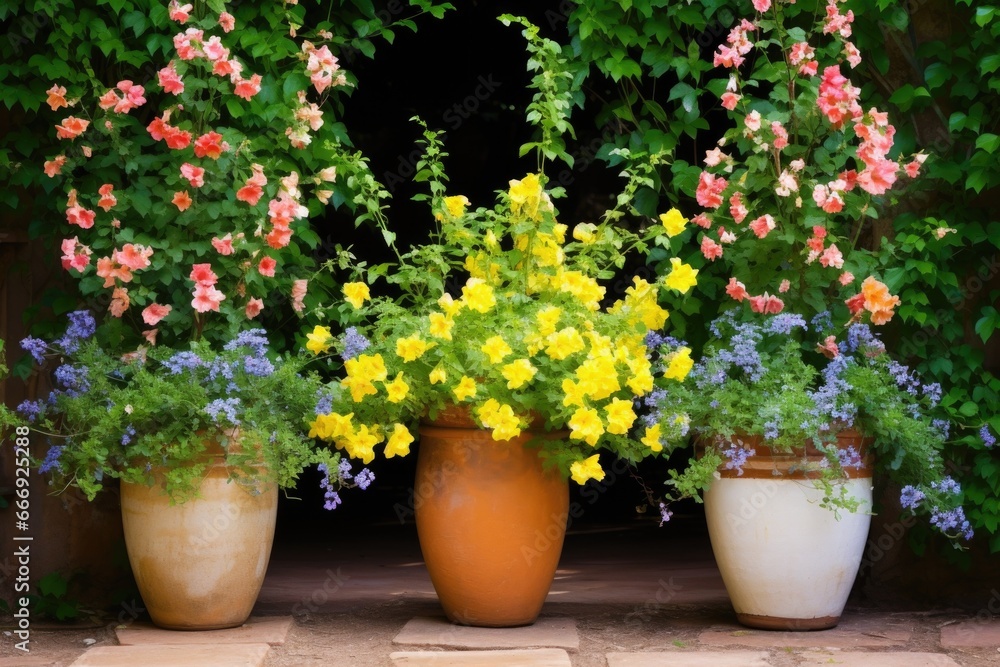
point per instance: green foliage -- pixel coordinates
(50, 600)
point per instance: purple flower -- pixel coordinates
(364, 478)
(952, 521)
(51, 460)
(665, 513)
(128, 435)
(354, 344)
(331, 497)
(988, 438)
(942, 426)
(225, 406)
(947, 485)
(785, 323)
(81, 326)
(822, 322)
(72, 379)
(849, 458)
(933, 393)
(36, 347)
(30, 410)
(861, 339)
(182, 361)
(737, 456)
(911, 497)
(324, 402)
(771, 430)
(222, 368)
(255, 339)
(653, 340)
(258, 366)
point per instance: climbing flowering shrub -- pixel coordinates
(153, 415)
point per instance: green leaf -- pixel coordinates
(988, 323)
(52, 585)
(988, 142)
(936, 74)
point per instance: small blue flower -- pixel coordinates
(51, 460)
(258, 366)
(73, 379)
(364, 478)
(911, 497)
(354, 344)
(30, 410)
(324, 402)
(225, 406)
(947, 485)
(255, 339)
(81, 326)
(183, 361)
(737, 456)
(988, 438)
(128, 435)
(36, 347)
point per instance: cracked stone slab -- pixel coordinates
(850, 634)
(864, 659)
(685, 659)
(503, 658)
(968, 634)
(163, 655)
(271, 630)
(437, 631)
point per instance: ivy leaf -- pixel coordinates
(988, 323)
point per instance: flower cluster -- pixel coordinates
(523, 343)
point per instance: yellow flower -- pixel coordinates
(500, 418)
(517, 373)
(585, 233)
(356, 294)
(437, 376)
(563, 343)
(652, 438)
(673, 222)
(487, 411)
(525, 195)
(491, 240)
(397, 389)
(399, 442)
(589, 468)
(331, 426)
(641, 382)
(449, 305)
(582, 286)
(587, 426)
(496, 348)
(620, 416)
(546, 250)
(456, 205)
(441, 325)
(466, 388)
(361, 444)
(573, 394)
(547, 319)
(478, 296)
(559, 232)
(319, 340)
(410, 348)
(681, 277)
(370, 367)
(598, 377)
(652, 316)
(680, 365)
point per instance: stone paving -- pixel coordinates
(607, 608)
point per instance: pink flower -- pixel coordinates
(150, 335)
(132, 97)
(75, 254)
(829, 347)
(877, 178)
(820, 194)
(81, 217)
(784, 286)
(267, 266)
(736, 289)
(203, 275)
(154, 312)
(206, 298)
(252, 190)
(767, 304)
(714, 157)
(780, 135)
(107, 200)
(710, 249)
(227, 21)
(71, 128)
(182, 200)
(702, 220)
(299, 293)
(912, 169)
(254, 306)
(727, 56)
(837, 22)
(247, 88)
(763, 225)
(133, 256)
(846, 278)
(194, 175)
(209, 145)
(852, 54)
(729, 100)
(279, 237)
(832, 257)
(801, 52)
(834, 203)
(169, 80)
(108, 100)
(838, 99)
(54, 166)
(762, 5)
(710, 188)
(56, 97)
(223, 246)
(737, 208)
(726, 237)
(214, 49)
(119, 302)
(752, 121)
(809, 68)
(179, 12)
(787, 184)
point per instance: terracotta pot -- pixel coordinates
(788, 564)
(200, 564)
(491, 522)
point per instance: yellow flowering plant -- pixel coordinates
(503, 313)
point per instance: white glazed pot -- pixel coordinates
(788, 564)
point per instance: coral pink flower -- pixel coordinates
(203, 275)
(223, 246)
(170, 80)
(837, 22)
(710, 249)
(150, 335)
(752, 121)
(767, 304)
(714, 157)
(75, 254)
(71, 128)
(176, 138)
(702, 220)
(154, 312)
(729, 100)
(76, 214)
(214, 49)
(856, 303)
(877, 178)
(178, 12)
(206, 298)
(107, 200)
(253, 308)
(224, 68)
(710, 188)
(299, 293)
(132, 97)
(912, 169)
(182, 200)
(227, 21)
(784, 286)
(829, 347)
(209, 145)
(279, 237)
(737, 208)
(727, 56)
(838, 99)
(763, 225)
(56, 97)
(780, 135)
(834, 203)
(267, 266)
(108, 100)
(133, 256)
(194, 175)
(736, 289)
(247, 88)
(846, 278)
(54, 166)
(852, 54)
(252, 191)
(119, 302)
(762, 5)
(832, 257)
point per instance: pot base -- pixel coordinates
(792, 624)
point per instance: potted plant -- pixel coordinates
(786, 439)
(187, 193)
